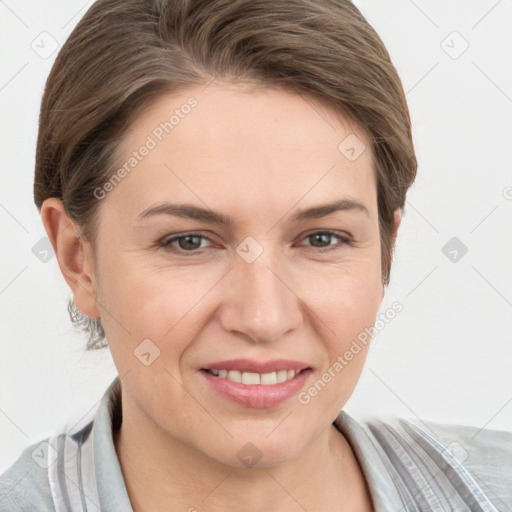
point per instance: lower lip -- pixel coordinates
(257, 396)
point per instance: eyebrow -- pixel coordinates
(190, 211)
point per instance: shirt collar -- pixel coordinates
(112, 493)
(383, 491)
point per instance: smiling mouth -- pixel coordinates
(252, 378)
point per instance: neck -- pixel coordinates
(164, 473)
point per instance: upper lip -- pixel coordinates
(253, 366)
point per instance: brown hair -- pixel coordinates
(123, 54)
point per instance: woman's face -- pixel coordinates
(258, 295)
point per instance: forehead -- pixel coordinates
(231, 146)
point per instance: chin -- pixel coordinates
(257, 451)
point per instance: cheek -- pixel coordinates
(347, 295)
(345, 307)
(352, 305)
(159, 305)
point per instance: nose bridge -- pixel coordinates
(261, 305)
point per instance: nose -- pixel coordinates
(260, 301)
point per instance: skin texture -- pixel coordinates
(257, 156)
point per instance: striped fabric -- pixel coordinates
(71, 477)
(428, 474)
(409, 465)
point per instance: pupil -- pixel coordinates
(320, 236)
(186, 245)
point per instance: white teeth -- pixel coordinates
(255, 378)
(268, 378)
(281, 376)
(234, 375)
(250, 378)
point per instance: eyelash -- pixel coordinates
(166, 243)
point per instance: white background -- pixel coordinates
(446, 357)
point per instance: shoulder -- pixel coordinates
(475, 463)
(59, 472)
(486, 453)
(25, 485)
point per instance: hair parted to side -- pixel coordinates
(124, 54)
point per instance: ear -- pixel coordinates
(396, 224)
(397, 221)
(74, 255)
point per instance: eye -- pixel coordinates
(188, 242)
(191, 242)
(325, 237)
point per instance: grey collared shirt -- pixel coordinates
(409, 465)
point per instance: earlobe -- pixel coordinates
(397, 221)
(396, 224)
(73, 254)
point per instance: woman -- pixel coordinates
(222, 183)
